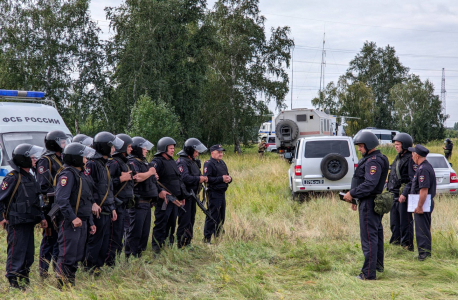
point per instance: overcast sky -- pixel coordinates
(424, 34)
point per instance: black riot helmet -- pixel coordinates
(74, 153)
(23, 153)
(405, 139)
(192, 145)
(103, 141)
(447, 141)
(367, 138)
(162, 145)
(138, 143)
(127, 141)
(56, 140)
(83, 139)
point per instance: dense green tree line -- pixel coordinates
(205, 73)
(378, 90)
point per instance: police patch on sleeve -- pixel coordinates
(421, 178)
(373, 170)
(87, 171)
(180, 168)
(415, 167)
(4, 185)
(205, 170)
(41, 170)
(63, 180)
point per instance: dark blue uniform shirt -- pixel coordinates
(371, 174)
(425, 177)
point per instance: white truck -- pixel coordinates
(25, 117)
(266, 129)
(301, 122)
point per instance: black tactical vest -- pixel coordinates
(85, 205)
(169, 176)
(128, 191)
(103, 183)
(146, 189)
(194, 170)
(25, 205)
(394, 183)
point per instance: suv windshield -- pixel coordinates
(11, 140)
(319, 149)
(438, 162)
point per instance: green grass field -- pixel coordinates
(273, 248)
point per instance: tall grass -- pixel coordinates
(273, 248)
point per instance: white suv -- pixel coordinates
(322, 163)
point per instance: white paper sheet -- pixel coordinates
(412, 203)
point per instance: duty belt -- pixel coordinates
(144, 201)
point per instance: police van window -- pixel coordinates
(311, 117)
(11, 140)
(386, 137)
(271, 140)
(438, 162)
(319, 149)
(301, 118)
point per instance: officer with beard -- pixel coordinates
(20, 211)
(103, 209)
(368, 181)
(123, 189)
(48, 167)
(145, 192)
(189, 167)
(166, 211)
(402, 172)
(74, 199)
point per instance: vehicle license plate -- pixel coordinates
(314, 181)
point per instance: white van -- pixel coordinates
(25, 117)
(385, 136)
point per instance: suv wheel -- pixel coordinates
(334, 166)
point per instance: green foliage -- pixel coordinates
(380, 69)
(153, 120)
(417, 110)
(159, 49)
(455, 126)
(53, 46)
(245, 64)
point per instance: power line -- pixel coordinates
(366, 25)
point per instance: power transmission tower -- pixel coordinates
(443, 92)
(323, 65)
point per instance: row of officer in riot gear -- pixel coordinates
(93, 198)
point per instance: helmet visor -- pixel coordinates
(87, 141)
(62, 142)
(87, 152)
(117, 143)
(34, 152)
(200, 148)
(147, 145)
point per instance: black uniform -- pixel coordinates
(425, 177)
(48, 166)
(190, 175)
(140, 215)
(124, 191)
(165, 220)
(72, 240)
(98, 244)
(22, 213)
(449, 147)
(368, 181)
(215, 170)
(401, 221)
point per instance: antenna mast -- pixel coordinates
(292, 76)
(323, 66)
(443, 92)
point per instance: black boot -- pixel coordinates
(14, 283)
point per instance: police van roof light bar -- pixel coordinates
(23, 94)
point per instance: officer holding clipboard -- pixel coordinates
(423, 184)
